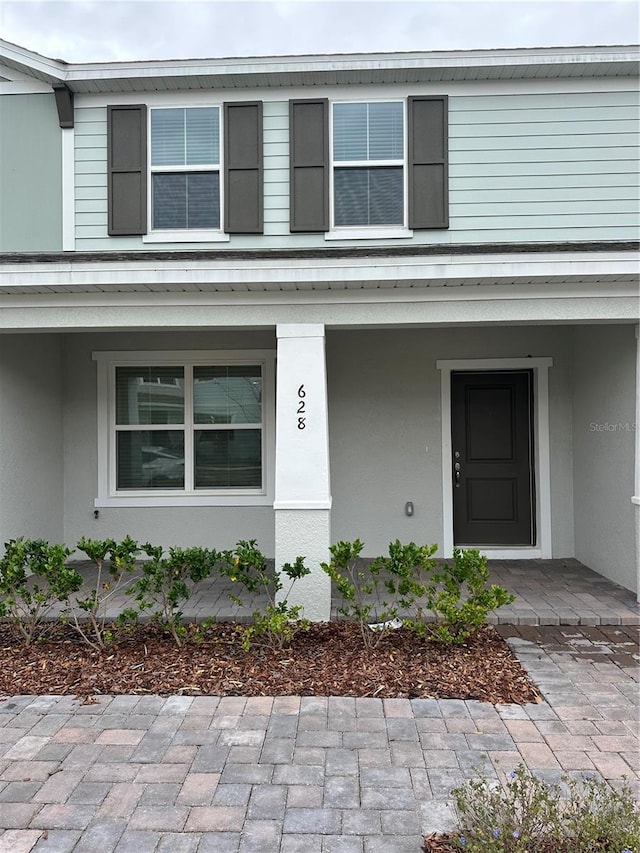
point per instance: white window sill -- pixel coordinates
(368, 234)
(183, 500)
(185, 236)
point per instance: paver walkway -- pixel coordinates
(182, 774)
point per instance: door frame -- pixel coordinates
(542, 461)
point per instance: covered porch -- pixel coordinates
(355, 364)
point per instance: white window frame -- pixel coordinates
(108, 495)
(368, 232)
(185, 235)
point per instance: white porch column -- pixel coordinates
(636, 497)
(302, 496)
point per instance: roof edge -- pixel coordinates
(450, 249)
(58, 70)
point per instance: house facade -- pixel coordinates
(305, 299)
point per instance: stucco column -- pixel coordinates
(636, 497)
(302, 496)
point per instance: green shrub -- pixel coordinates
(33, 576)
(459, 594)
(169, 581)
(528, 815)
(278, 622)
(113, 561)
(380, 592)
(398, 589)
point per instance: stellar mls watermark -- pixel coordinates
(619, 426)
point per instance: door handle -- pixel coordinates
(456, 468)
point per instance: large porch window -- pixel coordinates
(179, 426)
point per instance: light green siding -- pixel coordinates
(30, 174)
(524, 167)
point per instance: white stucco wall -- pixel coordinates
(384, 411)
(218, 527)
(31, 437)
(604, 376)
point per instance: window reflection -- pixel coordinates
(227, 395)
(150, 459)
(212, 442)
(149, 395)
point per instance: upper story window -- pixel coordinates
(381, 171)
(368, 144)
(199, 169)
(185, 168)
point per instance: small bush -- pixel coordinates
(380, 592)
(460, 595)
(169, 581)
(398, 589)
(530, 816)
(33, 576)
(277, 624)
(88, 615)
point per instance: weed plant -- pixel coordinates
(528, 815)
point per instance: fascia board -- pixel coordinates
(264, 274)
(32, 64)
(464, 63)
(353, 62)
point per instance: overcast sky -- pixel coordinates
(103, 30)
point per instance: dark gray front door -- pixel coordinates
(492, 457)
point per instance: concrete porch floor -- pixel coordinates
(548, 592)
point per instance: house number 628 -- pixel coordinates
(301, 408)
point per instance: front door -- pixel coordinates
(492, 457)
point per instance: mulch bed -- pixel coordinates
(437, 843)
(327, 660)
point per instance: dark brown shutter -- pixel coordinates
(127, 169)
(309, 165)
(243, 169)
(428, 162)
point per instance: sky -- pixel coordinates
(107, 30)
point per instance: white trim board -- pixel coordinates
(542, 457)
(68, 190)
(511, 270)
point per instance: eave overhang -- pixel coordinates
(344, 69)
(260, 275)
